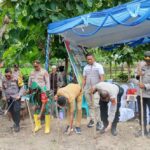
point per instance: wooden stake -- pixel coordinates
(92, 100)
(141, 103)
(30, 116)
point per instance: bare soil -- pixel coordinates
(56, 140)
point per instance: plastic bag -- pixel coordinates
(126, 114)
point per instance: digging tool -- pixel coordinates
(5, 113)
(141, 103)
(92, 100)
(30, 116)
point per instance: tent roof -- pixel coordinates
(128, 23)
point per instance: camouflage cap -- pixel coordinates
(34, 85)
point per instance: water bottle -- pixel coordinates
(61, 114)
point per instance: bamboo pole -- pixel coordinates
(30, 116)
(92, 100)
(141, 103)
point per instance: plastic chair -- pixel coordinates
(85, 105)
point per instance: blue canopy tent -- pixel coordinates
(128, 23)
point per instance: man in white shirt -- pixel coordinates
(109, 93)
(93, 73)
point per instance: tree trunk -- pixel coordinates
(115, 70)
(110, 69)
(122, 68)
(66, 68)
(129, 71)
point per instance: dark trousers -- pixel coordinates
(104, 110)
(15, 110)
(146, 103)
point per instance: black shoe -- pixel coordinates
(17, 129)
(12, 127)
(78, 130)
(148, 134)
(114, 132)
(102, 131)
(90, 124)
(66, 130)
(99, 126)
(1, 112)
(139, 133)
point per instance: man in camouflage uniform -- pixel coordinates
(39, 81)
(13, 92)
(144, 72)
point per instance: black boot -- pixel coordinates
(113, 130)
(90, 124)
(17, 129)
(102, 131)
(148, 134)
(99, 126)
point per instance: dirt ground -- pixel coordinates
(56, 140)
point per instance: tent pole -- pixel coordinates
(47, 51)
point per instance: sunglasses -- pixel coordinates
(7, 76)
(36, 66)
(65, 106)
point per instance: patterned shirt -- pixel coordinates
(11, 88)
(41, 77)
(146, 81)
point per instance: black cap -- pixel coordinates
(62, 101)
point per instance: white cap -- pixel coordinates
(53, 67)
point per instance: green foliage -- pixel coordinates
(25, 37)
(123, 77)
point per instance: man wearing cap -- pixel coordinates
(17, 75)
(41, 78)
(16, 72)
(67, 96)
(13, 93)
(144, 73)
(56, 79)
(39, 75)
(112, 93)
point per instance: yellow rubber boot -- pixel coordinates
(37, 123)
(47, 123)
